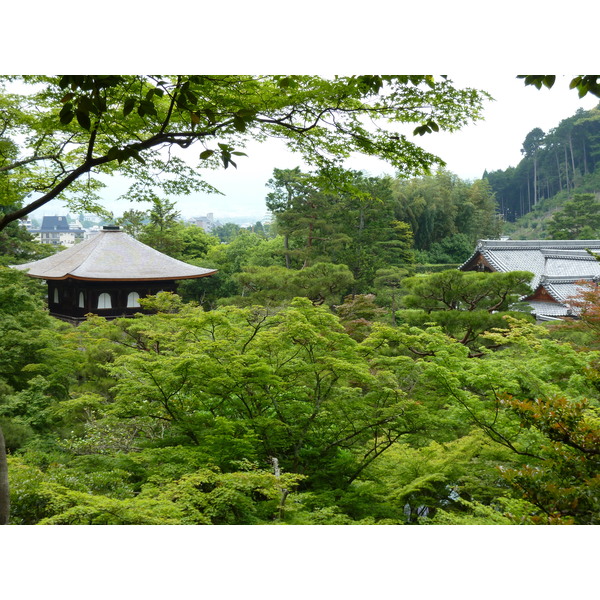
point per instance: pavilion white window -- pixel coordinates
(133, 300)
(104, 301)
(56, 295)
(81, 300)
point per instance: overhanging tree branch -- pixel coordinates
(26, 161)
(135, 113)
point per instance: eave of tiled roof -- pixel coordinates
(551, 309)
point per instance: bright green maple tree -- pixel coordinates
(176, 417)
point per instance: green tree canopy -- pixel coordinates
(443, 205)
(578, 219)
(464, 304)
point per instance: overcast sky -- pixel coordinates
(493, 143)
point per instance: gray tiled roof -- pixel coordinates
(562, 289)
(557, 265)
(112, 255)
(541, 257)
(550, 309)
(55, 224)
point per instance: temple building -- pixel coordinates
(106, 275)
(559, 268)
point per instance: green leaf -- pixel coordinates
(66, 108)
(148, 108)
(210, 114)
(66, 114)
(239, 124)
(66, 118)
(83, 118)
(129, 105)
(86, 105)
(206, 154)
(192, 98)
(135, 154)
(114, 153)
(549, 80)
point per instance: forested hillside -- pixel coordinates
(555, 164)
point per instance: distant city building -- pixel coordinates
(92, 217)
(58, 232)
(91, 231)
(207, 222)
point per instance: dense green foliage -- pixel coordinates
(333, 234)
(315, 379)
(295, 415)
(444, 212)
(578, 219)
(464, 304)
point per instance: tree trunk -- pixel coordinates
(535, 192)
(286, 245)
(284, 491)
(558, 170)
(567, 168)
(309, 242)
(521, 201)
(4, 492)
(572, 158)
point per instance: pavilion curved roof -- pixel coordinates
(112, 255)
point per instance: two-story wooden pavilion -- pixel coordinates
(106, 275)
